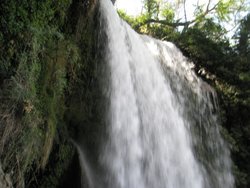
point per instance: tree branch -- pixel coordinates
(177, 24)
(164, 22)
(185, 12)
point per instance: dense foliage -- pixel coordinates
(35, 54)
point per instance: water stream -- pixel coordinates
(163, 129)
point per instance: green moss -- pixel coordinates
(34, 57)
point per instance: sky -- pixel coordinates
(132, 7)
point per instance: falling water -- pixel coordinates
(86, 173)
(162, 122)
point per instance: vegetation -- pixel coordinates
(46, 74)
(220, 60)
(35, 52)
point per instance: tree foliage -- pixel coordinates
(243, 45)
(184, 13)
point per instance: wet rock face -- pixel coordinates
(5, 181)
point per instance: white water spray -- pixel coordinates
(163, 130)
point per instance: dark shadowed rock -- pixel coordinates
(5, 181)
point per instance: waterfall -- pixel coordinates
(162, 128)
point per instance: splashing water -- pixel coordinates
(163, 130)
